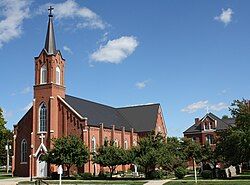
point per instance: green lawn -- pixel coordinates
(212, 182)
(79, 182)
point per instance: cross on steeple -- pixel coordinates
(42, 137)
(50, 11)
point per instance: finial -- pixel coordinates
(50, 11)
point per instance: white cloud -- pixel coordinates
(115, 50)
(13, 12)
(225, 16)
(204, 105)
(195, 106)
(27, 107)
(66, 48)
(26, 90)
(218, 107)
(70, 9)
(141, 85)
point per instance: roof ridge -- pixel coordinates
(142, 105)
(91, 101)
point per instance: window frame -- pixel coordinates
(44, 120)
(23, 159)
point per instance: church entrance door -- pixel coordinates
(41, 168)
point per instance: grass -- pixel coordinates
(78, 182)
(211, 182)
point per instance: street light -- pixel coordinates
(8, 148)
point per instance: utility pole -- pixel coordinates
(8, 148)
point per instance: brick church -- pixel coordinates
(55, 114)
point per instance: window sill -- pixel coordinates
(23, 163)
(42, 132)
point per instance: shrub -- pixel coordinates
(54, 176)
(180, 172)
(207, 174)
(158, 174)
(86, 175)
(102, 175)
(222, 174)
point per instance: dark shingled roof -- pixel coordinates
(141, 118)
(222, 124)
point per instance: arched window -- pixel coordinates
(23, 151)
(58, 76)
(93, 144)
(125, 144)
(134, 143)
(116, 143)
(43, 75)
(42, 118)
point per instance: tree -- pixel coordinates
(233, 144)
(191, 149)
(149, 153)
(68, 151)
(111, 156)
(172, 155)
(5, 138)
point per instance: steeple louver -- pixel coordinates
(50, 44)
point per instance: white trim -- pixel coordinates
(43, 147)
(73, 110)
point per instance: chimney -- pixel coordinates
(197, 121)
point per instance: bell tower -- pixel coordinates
(49, 84)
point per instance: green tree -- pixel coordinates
(191, 150)
(172, 155)
(149, 153)
(5, 138)
(233, 144)
(111, 156)
(68, 151)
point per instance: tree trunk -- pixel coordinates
(68, 167)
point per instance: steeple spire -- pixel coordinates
(50, 44)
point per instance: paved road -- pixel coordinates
(12, 181)
(157, 182)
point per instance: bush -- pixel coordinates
(222, 174)
(102, 175)
(54, 176)
(180, 172)
(158, 174)
(86, 175)
(207, 174)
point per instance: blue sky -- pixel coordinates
(189, 56)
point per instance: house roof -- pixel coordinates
(222, 124)
(142, 118)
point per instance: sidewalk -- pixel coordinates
(157, 182)
(13, 181)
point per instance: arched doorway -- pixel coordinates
(41, 167)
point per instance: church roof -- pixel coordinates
(142, 118)
(222, 124)
(50, 43)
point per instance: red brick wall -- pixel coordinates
(22, 131)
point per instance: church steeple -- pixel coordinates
(50, 43)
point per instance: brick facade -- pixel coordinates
(62, 120)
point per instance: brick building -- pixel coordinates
(55, 114)
(207, 128)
